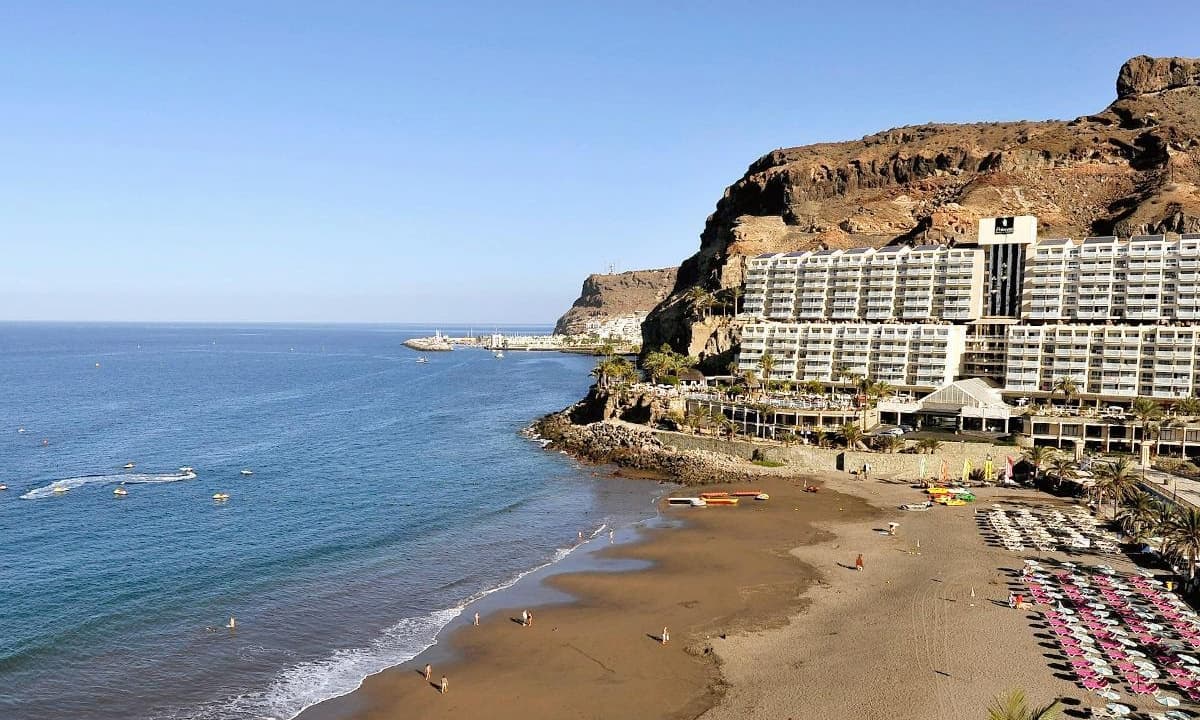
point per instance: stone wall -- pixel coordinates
(807, 458)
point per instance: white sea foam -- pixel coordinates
(303, 685)
(72, 483)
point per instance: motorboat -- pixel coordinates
(129, 466)
(247, 472)
(499, 354)
(689, 501)
(59, 489)
(220, 496)
(762, 496)
(120, 492)
(187, 469)
(422, 359)
(3, 486)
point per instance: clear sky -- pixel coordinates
(473, 162)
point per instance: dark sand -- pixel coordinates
(727, 571)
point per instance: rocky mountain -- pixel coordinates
(608, 296)
(1131, 168)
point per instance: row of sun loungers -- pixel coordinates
(1120, 634)
(1048, 530)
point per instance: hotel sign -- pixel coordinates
(1004, 225)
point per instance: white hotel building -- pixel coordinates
(1121, 318)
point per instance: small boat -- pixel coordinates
(747, 493)
(247, 472)
(3, 486)
(129, 466)
(20, 429)
(689, 501)
(60, 489)
(220, 496)
(762, 496)
(711, 495)
(120, 492)
(499, 354)
(422, 359)
(721, 501)
(187, 469)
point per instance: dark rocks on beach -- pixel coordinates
(631, 446)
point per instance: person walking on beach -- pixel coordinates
(428, 671)
(529, 617)
(666, 635)
(858, 563)
(524, 618)
(476, 623)
(445, 685)
(1012, 599)
(612, 536)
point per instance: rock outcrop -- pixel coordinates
(608, 296)
(631, 446)
(1133, 168)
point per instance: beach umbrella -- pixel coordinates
(966, 475)
(921, 468)
(1168, 701)
(989, 470)
(1008, 470)
(945, 472)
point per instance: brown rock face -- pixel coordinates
(1133, 168)
(1143, 75)
(607, 296)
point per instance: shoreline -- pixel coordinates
(706, 574)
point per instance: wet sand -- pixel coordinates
(728, 570)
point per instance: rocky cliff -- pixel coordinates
(608, 296)
(1132, 168)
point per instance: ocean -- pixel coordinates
(386, 496)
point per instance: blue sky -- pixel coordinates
(473, 162)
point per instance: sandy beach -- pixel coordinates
(768, 619)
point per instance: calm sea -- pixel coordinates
(385, 496)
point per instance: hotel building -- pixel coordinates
(1119, 317)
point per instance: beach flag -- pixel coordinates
(989, 470)
(966, 471)
(945, 472)
(921, 468)
(1008, 471)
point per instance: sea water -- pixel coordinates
(386, 495)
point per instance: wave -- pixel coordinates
(303, 685)
(72, 483)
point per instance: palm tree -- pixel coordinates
(613, 370)
(1183, 537)
(852, 434)
(1137, 517)
(813, 387)
(819, 436)
(928, 445)
(1146, 411)
(1067, 386)
(701, 301)
(1038, 456)
(1116, 480)
(767, 364)
(735, 293)
(888, 443)
(751, 379)
(1014, 706)
(1188, 406)
(1063, 468)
